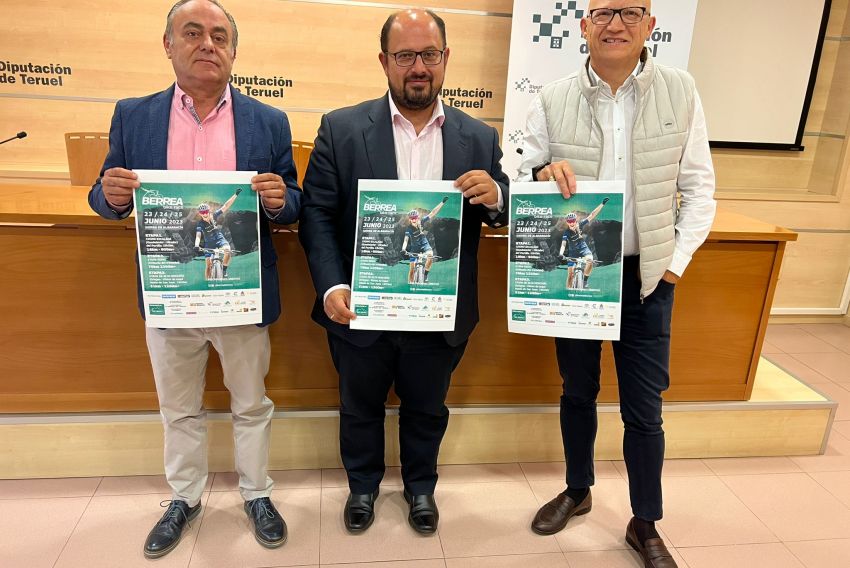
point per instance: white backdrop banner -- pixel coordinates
(546, 44)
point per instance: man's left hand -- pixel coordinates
(272, 190)
(670, 277)
(478, 187)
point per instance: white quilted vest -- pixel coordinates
(665, 101)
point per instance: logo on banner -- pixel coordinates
(525, 85)
(526, 207)
(554, 27)
(516, 136)
(372, 204)
(153, 197)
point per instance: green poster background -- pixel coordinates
(178, 268)
(372, 275)
(605, 280)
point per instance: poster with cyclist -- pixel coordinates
(565, 266)
(198, 237)
(405, 269)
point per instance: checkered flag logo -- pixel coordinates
(525, 85)
(553, 28)
(522, 84)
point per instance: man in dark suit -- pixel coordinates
(407, 134)
(201, 123)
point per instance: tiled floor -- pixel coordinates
(722, 513)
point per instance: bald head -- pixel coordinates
(594, 4)
(403, 18)
(414, 57)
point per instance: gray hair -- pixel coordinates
(169, 20)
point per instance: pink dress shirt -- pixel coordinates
(195, 144)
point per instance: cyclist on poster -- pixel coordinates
(209, 228)
(416, 236)
(576, 246)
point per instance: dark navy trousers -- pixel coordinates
(642, 359)
(419, 366)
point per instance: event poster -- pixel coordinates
(565, 269)
(406, 258)
(199, 248)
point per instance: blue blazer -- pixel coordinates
(138, 139)
(357, 143)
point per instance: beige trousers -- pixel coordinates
(179, 361)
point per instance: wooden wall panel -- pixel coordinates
(820, 96)
(811, 265)
(490, 6)
(301, 42)
(757, 170)
(837, 112)
(839, 24)
(46, 123)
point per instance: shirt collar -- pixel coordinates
(438, 116)
(181, 99)
(595, 79)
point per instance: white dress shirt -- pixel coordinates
(418, 156)
(616, 118)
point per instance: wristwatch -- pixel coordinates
(536, 170)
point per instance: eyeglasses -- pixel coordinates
(630, 16)
(408, 58)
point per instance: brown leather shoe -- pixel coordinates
(652, 551)
(553, 516)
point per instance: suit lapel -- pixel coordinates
(243, 124)
(455, 147)
(379, 141)
(159, 116)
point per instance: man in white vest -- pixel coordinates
(624, 117)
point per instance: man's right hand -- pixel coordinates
(337, 306)
(562, 173)
(118, 185)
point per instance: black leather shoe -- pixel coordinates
(424, 515)
(359, 511)
(553, 516)
(165, 535)
(269, 526)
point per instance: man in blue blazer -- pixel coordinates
(201, 123)
(407, 134)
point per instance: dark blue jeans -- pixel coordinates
(642, 359)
